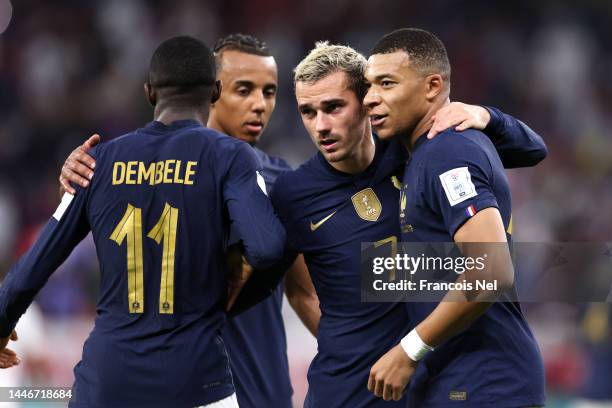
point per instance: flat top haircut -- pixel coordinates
(427, 54)
(182, 65)
(243, 43)
(327, 59)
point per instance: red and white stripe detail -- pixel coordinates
(471, 210)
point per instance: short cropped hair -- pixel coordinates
(327, 59)
(427, 54)
(182, 63)
(245, 43)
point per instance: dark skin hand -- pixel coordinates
(8, 358)
(239, 272)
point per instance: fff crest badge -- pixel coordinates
(367, 205)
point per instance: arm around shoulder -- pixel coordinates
(517, 144)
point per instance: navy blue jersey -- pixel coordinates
(515, 142)
(160, 208)
(496, 361)
(327, 214)
(256, 340)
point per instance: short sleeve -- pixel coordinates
(458, 180)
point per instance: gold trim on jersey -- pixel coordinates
(396, 183)
(402, 203)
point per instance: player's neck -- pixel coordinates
(425, 123)
(168, 114)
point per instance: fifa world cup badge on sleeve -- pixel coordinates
(457, 184)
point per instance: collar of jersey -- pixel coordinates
(177, 124)
(420, 141)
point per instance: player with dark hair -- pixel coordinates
(243, 60)
(346, 194)
(324, 223)
(245, 43)
(160, 210)
(255, 339)
(467, 353)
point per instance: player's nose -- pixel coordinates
(371, 99)
(322, 123)
(258, 102)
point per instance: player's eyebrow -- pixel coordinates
(251, 84)
(324, 103)
(244, 82)
(303, 106)
(380, 77)
(333, 101)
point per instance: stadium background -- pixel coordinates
(69, 68)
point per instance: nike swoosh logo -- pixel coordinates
(314, 226)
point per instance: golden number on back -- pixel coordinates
(130, 226)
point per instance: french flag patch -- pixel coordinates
(471, 210)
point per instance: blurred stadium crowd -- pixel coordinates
(70, 68)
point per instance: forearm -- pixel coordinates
(448, 319)
(24, 281)
(302, 296)
(261, 285)
(60, 235)
(307, 308)
(517, 144)
(482, 238)
(15, 298)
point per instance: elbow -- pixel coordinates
(541, 153)
(538, 151)
(297, 296)
(529, 158)
(266, 253)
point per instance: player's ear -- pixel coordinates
(150, 94)
(216, 92)
(434, 86)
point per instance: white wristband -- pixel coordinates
(414, 346)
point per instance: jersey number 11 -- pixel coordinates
(130, 227)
